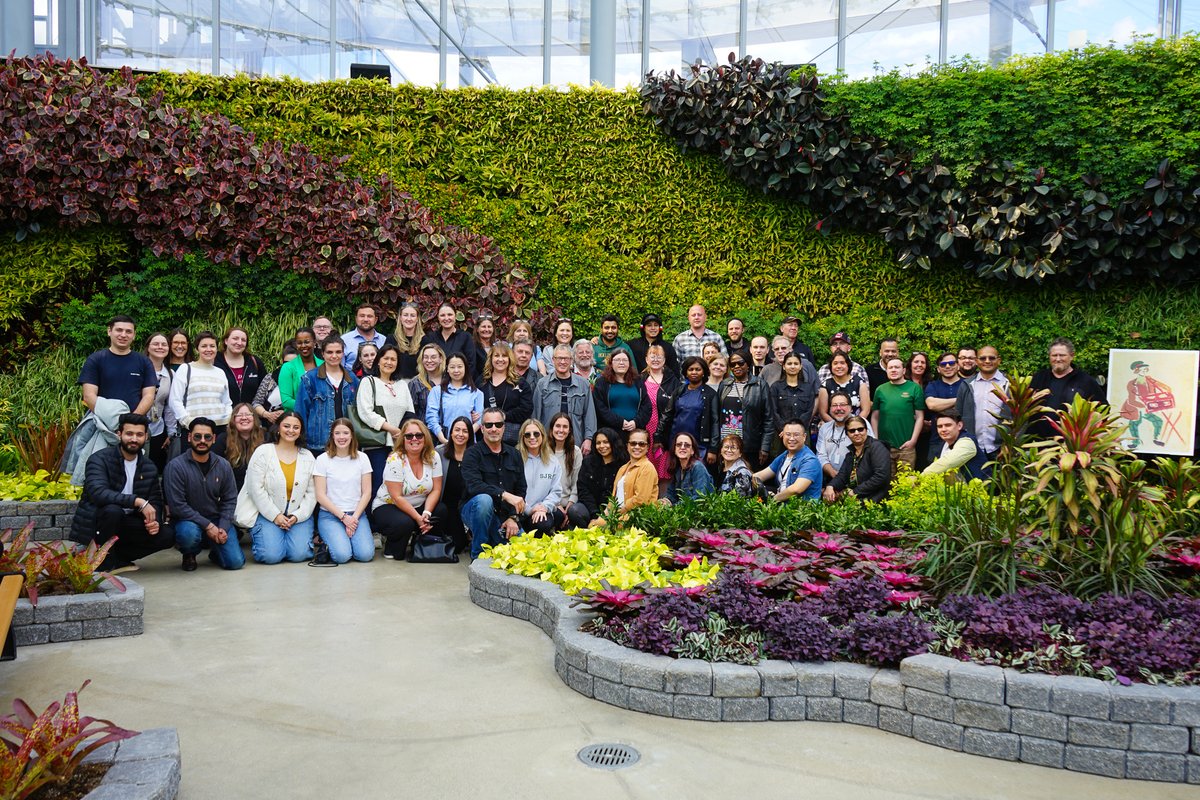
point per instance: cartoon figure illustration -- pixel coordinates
(1147, 399)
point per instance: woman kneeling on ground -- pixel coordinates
(409, 501)
(342, 477)
(279, 497)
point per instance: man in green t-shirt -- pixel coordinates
(899, 413)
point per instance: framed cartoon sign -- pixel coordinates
(1154, 391)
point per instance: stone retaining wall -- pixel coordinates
(51, 518)
(146, 767)
(1082, 724)
(70, 617)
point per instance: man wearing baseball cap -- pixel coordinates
(790, 327)
(652, 334)
(841, 341)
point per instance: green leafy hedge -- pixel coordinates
(1104, 111)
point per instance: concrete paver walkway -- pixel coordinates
(382, 680)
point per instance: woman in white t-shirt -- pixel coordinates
(342, 477)
(409, 500)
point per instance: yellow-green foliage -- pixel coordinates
(920, 502)
(45, 265)
(37, 486)
(582, 558)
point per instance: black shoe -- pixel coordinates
(189, 563)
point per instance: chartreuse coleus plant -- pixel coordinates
(40, 485)
(591, 558)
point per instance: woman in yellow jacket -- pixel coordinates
(637, 481)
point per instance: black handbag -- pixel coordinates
(366, 435)
(432, 548)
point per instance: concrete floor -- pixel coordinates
(382, 680)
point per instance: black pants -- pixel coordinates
(544, 528)
(133, 542)
(398, 528)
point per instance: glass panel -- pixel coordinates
(882, 35)
(276, 37)
(992, 30)
(504, 38)
(1077, 22)
(1189, 17)
(629, 43)
(154, 34)
(569, 40)
(404, 38)
(793, 32)
(45, 23)
(685, 31)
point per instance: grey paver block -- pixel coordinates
(1022, 690)
(929, 704)
(824, 709)
(153, 743)
(66, 631)
(149, 771)
(574, 646)
(815, 679)
(689, 676)
(1158, 738)
(928, 672)
(1043, 752)
(1096, 760)
(987, 716)
(1080, 697)
(111, 626)
(1193, 769)
(735, 680)
(853, 681)
(1156, 767)
(1006, 746)
(942, 734)
(579, 680)
(22, 614)
(50, 609)
(1185, 705)
(88, 606)
(603, 664)
(1141, 703)
(615, 694)
(129, 603)
(887, 690)
(643, 671)
(745, 709)
(31, 634)
(1097, 733)
(691, 706)
(778, 678)
(860, 712)
(788, 708)
(650, 702)
(500, 605)
(1196, 740)
(1039, 724)
(895, 720)
(977, 682)
(103, 754)
(520, 609)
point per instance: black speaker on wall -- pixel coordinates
(378, 71)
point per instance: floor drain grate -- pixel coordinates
(609, 756)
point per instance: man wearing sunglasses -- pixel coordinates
(121, 498)
(494, 486)
(202, 495)
(941, 395)
(981, 404)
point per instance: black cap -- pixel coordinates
(790, 318)
(646, 320)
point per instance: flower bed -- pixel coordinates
(1082, 724)
(146, 767)
(70, 617)
(51, 518)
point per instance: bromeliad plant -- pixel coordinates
(55, 567)
(45, 748)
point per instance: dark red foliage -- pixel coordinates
(78, 148)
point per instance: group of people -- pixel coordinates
(474, 437)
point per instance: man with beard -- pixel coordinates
(121, 499)
(202, 494)
(609, 341)
(832, 441)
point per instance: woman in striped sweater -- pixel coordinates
(200, 389)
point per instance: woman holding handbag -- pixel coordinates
(342, 477)
(383, 402)
(277, 501)
(409, 501)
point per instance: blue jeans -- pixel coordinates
(188, 537)
(271, 544)
(341, 547)
(480, 517)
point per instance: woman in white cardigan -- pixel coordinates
(277, 501)
(387, 393)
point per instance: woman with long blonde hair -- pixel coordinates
(239, 441)
(409, 501)
(543, 481)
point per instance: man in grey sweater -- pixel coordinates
(202, 495)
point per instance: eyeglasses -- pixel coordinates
(202, 437)
(856, 430)
(947, 363)
(412, 437)
(532, 435)
(737, 363)
(243, 416)
(493, 424)
(683, 446)
(632, 443)
(988, 358)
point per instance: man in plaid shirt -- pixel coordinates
(691, 342)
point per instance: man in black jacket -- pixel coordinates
(494, 480)
(202, 492)
(121, 499)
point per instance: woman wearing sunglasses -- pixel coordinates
(866, 471)
(543, 481)
(637, 480)
(409, 501)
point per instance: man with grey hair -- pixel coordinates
(585, 361)
(1063, 382)
(564, 391)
